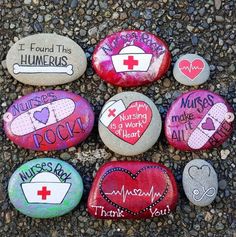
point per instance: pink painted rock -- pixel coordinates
(132, 190)
(198, 120)
(131, 58)
(49, 120)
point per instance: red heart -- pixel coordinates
(191, 69)
(132, 188)
(130, 125)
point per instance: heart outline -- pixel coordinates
(187, 70)
(126, 110)
(199, 168)
(134, 176)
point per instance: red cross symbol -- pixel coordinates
(44, 193)
(130, 62)
(111, 112)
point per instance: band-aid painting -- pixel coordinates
(49, 120)
(199, 120)
(46, 59)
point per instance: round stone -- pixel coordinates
(131, 58)
(49, 120)
(132, 190)
(129, 123)
(46, 59)
(191, 69)
(45, 188)
(200, 182)
(198, 120)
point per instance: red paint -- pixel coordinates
(130, 62)
(132, 190)
(146, 61)
(44, 193)
(191, 69)
(130, 129)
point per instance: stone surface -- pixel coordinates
(129, 123)
(46, 59)
(200, 182)
(198, 120)
(131, 58)
(49, 120)
(191, 69)
(132, 190)
(45, 188)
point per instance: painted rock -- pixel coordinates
(132, 190)
(129, 123)
(198, 120)
(191, 69)
(46, 59)
(45, 188)
(200, 182)
(49, 120)
(131, 58)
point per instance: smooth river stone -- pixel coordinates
(200, 182)
(129, 123)
(46, 59)
(198, 120)
(132, 190)
(131, 58)
(45, 188)
(49, 120)
(191, 70)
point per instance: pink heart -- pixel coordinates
(191, 69)
(130, 125)
(208, 125)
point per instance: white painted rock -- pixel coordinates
(129, 123)
(200, 182)
(191, 70)
(46, 59)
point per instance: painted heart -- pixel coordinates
(42, 116)
(199, 173)
(131, 192)
(208, 125)
(130, 125)
(191, 69)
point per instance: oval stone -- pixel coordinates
(46, 59)
(131, 58)
(45, 188)
(200, 182)
(129, 123)
(49, 120)
(191, 69)
(132, 190)
(198, 120)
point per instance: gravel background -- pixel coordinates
(203, 27)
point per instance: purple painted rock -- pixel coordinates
(131, 58)
(132, 190)
(49, 120)
(198, 120)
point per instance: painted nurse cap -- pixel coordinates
(141, 60)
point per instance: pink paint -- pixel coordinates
(130, 124)
(191, 69)
(198, 120)
(131, 58)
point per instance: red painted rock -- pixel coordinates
(49, 120)
(198, 120)
(131, 58)
(132, 190)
